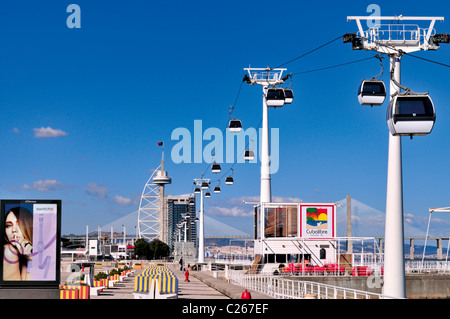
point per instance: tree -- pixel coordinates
(142, 248)
(156, 249)
(159, 249)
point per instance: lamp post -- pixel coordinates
(185, 222)
(204, 184)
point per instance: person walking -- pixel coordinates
(186, 274)
(181, 263)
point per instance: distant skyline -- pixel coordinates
(366, 221)
(85, 105)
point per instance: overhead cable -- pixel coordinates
(334, 66)
(309, 52)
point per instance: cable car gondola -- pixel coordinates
(205, 185)
(288, 96)
(249, 155)
(411, 114)
(217, 189)
(207, 194)
(229, 180)
(235, 126)
(371, 92)
(275, 97)
(215, 168)
(197, 190)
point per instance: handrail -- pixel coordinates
(282, 288)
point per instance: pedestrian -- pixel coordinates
(186, 274)
(181, 263)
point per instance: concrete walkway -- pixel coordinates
(195, 288)
(205, 281)
(121, 290)
(201, 285)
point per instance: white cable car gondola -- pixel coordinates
(275, 97)
(207, 194)
(229, 180)
(411, 114)
(217, 189)
(371, 92)
(249, 155)
(197, 190)
(205, 185)
(288, 96)
(215, 168)
(235, 126)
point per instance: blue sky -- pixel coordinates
(83, 109)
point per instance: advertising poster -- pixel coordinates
(317, 221)
(30, 239)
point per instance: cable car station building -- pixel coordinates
(296, 232)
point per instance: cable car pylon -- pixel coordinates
(385, 38)
(268, 78)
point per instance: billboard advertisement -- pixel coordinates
(318, 221)
(31, 235)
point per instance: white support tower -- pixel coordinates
(149, 210)
(153, 219)
(394, 40)
(201, 228)
(265, 77)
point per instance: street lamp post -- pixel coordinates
(201, 235)
(185, 222)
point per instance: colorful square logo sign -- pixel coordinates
(317, 221)
(316, 218)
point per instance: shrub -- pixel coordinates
(101, 275)
(114, 272)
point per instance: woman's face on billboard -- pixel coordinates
(12, 229)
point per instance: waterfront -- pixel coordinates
(211, 283)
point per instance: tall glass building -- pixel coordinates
(177, 207)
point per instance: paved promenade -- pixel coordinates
(201, 285)
(195, 288)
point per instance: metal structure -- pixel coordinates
(149, 210)
(266, 77)
(434, 210)
(153, 219)
(204, 185)
(280, 287)
(395, 40)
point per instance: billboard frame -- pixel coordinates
(300, 219)
(31, 283)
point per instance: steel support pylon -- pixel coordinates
(394, 41)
